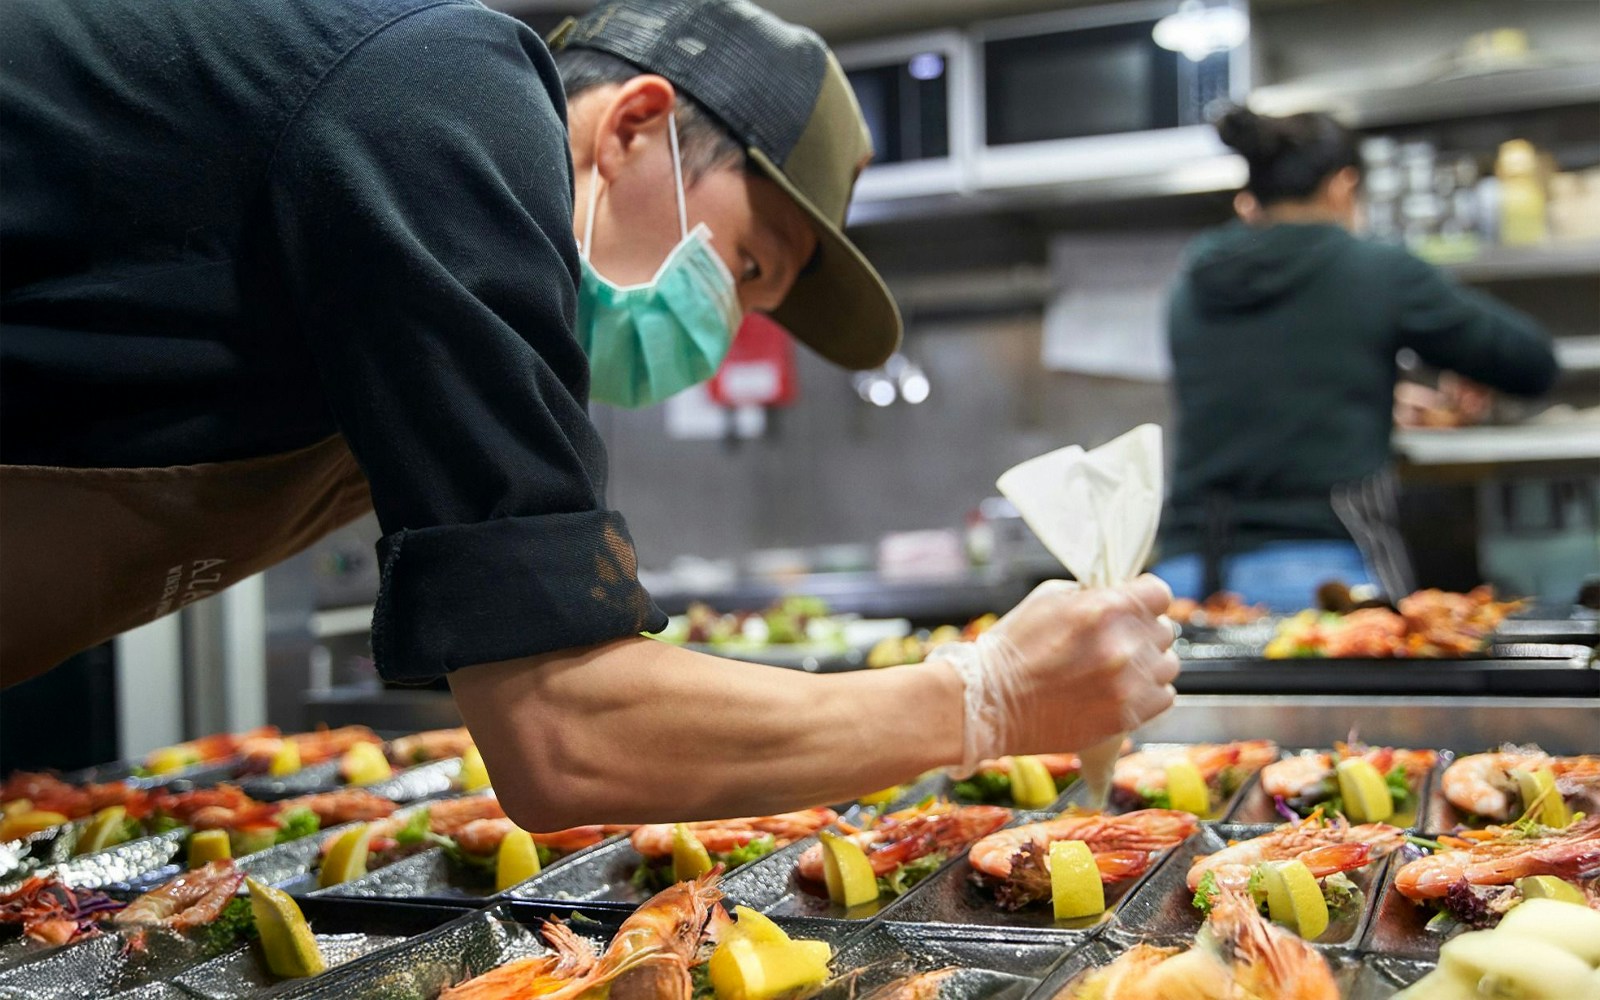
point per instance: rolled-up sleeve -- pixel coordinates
(421, 204)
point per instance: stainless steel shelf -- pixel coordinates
(1576, 442)
(1425, 94)
(1550, 260)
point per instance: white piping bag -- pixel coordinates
(1096, 511)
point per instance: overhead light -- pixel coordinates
(1197, 30)
(926, 66)
(880, 392)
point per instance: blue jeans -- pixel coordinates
(1282, 575)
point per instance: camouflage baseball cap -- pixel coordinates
(782, 94)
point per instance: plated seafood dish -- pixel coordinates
(1357, 893)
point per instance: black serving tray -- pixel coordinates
(198, 776)
(1348, 969)
(106, 965)
(1517, 670)
(1399, 926)
(1163, 906)
(1568, 623)
(985, 962)
(773, 886)
(598, 874)
(1078, 794)
(603, 873)
(281, 865)
(1256, 806)
(409, 785)
(117, 864)
(952, 897)
(433, 879)
(481, 940)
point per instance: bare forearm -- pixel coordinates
(638, 731)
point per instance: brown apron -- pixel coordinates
(88, 553)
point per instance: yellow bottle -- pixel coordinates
(1522, 195)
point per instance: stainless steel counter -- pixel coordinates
(1559, 725)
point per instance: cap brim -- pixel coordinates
(839, 307)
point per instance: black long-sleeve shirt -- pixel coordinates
(1283, 344)
(235, 227)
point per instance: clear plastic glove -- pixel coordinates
(1066, 668)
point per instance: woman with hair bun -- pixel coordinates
(1284, 328)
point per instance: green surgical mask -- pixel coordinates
(647, 342)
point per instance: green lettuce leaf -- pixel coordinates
(900, 881)
(296, 823)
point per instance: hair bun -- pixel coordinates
(1256, 138)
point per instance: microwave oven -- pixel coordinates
(914, 94)
(1087, 93)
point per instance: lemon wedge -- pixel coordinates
(1032, 787)
(365, 764)
(689, 857)
(744, 969)
(286, 761)
(207, 846)
(347, 859)
(474, 775)
(1540, 786)
(286, 938)
(756, 926)
(516, 861)
(1186, 789)
(847, 871)
(1294, 899)
(29, 822)
(1550, 887)
(884, 797)
(170, 759)
(1075, 886)
(1366, 795)
(103, 831)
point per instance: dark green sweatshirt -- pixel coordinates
(1283, 344)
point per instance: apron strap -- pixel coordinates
(1370, 510)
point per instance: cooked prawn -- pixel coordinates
(224, 807)
(1326, 846)
(190, 900)
(649, 957)
(902, 837)
(1145, 770)
(1060, 765)
(50, 793)
(1299, 775)
(1129, 976)
(345, 805)
(1482, 784)
(1147, 830)
(722, 836)
(1243, 957)
(1500, 856)
(1265, 960)
(217, 746)
(483, 836)
(314, 747)
(435, 744)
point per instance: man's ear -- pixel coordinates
(638, 108)
(1343, 184)
(1246, 207)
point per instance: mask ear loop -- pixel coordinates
(677, 175)
(594, 196)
